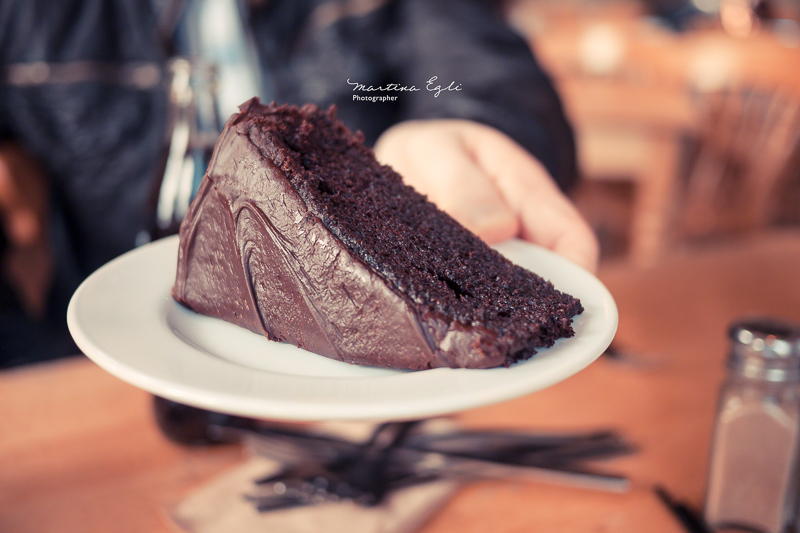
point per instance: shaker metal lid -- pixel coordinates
(766, 348)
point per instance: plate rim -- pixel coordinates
(297, 410)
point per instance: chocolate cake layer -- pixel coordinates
(298, 233)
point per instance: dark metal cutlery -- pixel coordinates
(319, 467)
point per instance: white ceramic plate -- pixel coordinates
(124, 319)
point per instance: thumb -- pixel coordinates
(548, 218)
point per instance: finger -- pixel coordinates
(561, 229)
(547, 216)
(550, 219)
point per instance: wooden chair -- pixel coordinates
(733, 99)
(744, 152)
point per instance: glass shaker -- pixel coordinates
(752, 484)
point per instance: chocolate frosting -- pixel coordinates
(252, 253)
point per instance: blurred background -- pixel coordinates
(687, 115)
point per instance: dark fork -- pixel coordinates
(360, 475)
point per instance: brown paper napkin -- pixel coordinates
(221, 506)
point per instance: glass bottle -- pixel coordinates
(218, 32)
(193, 128)
(753, 471)
(214, 71)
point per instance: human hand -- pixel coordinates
(488, 183)
(27, 261)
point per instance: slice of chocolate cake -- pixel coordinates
(298, 233)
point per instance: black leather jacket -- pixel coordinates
(79, 88)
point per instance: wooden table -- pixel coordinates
(79, 450)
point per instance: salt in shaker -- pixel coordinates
(753, 474)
